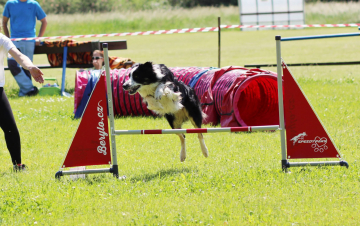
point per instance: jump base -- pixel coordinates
(286, 164)
(113, 170)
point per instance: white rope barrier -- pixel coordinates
(191, 30)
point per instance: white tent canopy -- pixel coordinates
(271, 12)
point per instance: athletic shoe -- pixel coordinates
(33, 92)
(20, 167)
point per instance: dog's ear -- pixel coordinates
(148, 66)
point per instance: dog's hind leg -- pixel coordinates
(203, 145)
(183, 148)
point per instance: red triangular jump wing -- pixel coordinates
(305, 135)
(90, 145)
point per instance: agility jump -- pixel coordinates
(305, 136)
(301, 120)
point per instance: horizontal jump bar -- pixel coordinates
(319, 36)
(201, 130)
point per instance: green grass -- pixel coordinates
(241, 183)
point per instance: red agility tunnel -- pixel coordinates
(236, 96)
(186, 74)
(232, 96)
(123, 103)
(252, 99)
(255, 102)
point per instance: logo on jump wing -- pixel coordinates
(102, 133)
(298, 137)
(319, 144)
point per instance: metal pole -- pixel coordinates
(257, 14)
(115, 169)
(320, 36)
(219, 44)
(328, 163)
(199, 130)
(240, 13)
(64, 71)
(288, 9)
(284, 162)
(273, 14)
(303, 11)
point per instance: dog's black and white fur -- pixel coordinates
(167, 96)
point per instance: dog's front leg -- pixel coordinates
(159, 92)
(183, 149)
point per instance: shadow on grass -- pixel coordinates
(161, 174)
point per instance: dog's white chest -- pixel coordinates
(164, 101)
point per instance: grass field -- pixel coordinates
(241, 183)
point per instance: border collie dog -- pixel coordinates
(167, 96)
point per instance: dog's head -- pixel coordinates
(142, 75)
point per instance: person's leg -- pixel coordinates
(22, 76)
(8, 125)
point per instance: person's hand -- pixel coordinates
(37, 74)
(38, 42)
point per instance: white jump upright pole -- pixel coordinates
(284, 162)
(115, 168)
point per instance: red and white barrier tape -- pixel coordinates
(189, 30)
